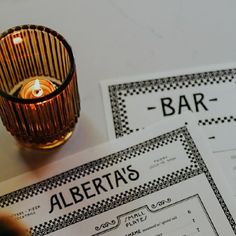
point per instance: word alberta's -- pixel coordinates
(92, 188)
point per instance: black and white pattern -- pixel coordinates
(114, 225)
(119, 92)
(196, 167)
(91, 167)
(217, 120)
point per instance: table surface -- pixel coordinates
(115, 38)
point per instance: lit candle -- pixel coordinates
(36, 87)
(39, 98)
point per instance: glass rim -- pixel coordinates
(68, 77)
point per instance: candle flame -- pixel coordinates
(37, 85)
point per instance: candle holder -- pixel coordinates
(39, 98)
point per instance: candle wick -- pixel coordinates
(37, 92)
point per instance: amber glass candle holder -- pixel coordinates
(39, 99)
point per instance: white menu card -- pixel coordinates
(160, 181)
(134, 103)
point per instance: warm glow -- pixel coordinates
(17, 40)
(37, 90)
(36, 84)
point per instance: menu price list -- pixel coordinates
(187, 217)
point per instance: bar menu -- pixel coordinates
(134, 103)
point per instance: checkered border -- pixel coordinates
(118, 92)
(198, 167)
(153, 211)
(92, 167)
(226, 119)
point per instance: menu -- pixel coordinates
(134, 103)
(160, 181)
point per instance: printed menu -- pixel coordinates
(134, 103)
(159, 181)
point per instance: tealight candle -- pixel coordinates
(36, 87)
(39, 98)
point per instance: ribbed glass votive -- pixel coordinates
(39, 99)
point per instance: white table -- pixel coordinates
(118, 38)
